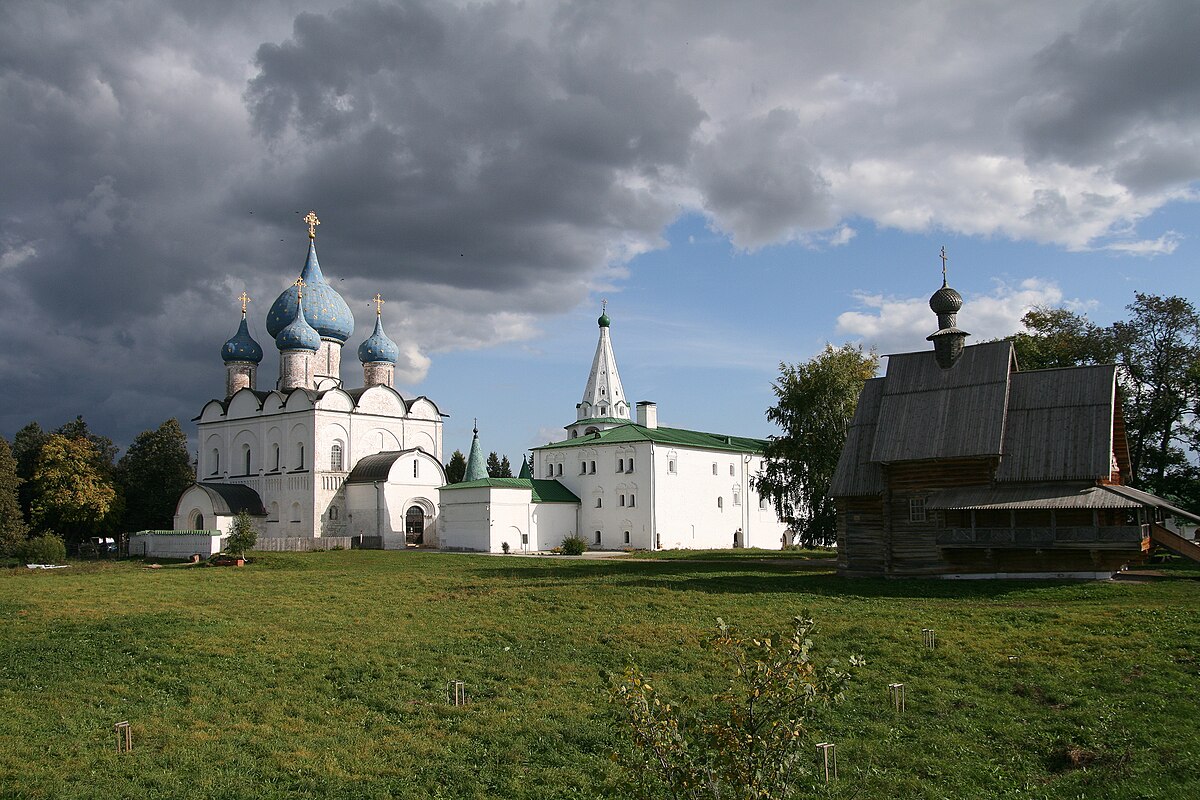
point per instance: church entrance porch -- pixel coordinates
(414, 526)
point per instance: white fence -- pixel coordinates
(299, 544)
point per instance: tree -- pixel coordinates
(153, 473)
(1159, 348)
(816, 401)
(25, 448)
(505, 468)
(1057, 337)
(13, 530)
(71, 494)
(456, 470)
(242, 536)
(754, 739)
(105, 450)
(493, 465)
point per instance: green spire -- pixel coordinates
(476, 466)
(525, 471)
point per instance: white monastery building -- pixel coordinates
(312, 458)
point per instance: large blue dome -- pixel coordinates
(298, 334)
(324, 308)
(242, 347)
(378, 347)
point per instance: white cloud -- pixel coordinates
(900, 324)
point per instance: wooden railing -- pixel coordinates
(1124, 537)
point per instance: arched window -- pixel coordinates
(299, 455)
(626, 537)
(720, 503)
(560, 469)
(731, 469)
(737, 497)
(275, 453)
(333, 513)
(714, 469)
(295, 512)
(216, 461)
(597, 537)
(246, 457)
(335, 457)
(622, 501)
(629, 466)
(632, 500)
(197, 521)
(599, 502)
(671, 467)
(274, 513)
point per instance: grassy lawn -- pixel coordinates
(323, 675)
(740, 554)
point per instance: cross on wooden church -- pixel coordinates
(943, 265)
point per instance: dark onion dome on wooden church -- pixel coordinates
(298, 334)
(378, 347)
(324, 308)
(949, 339)
(242, 347)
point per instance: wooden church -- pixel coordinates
(959, 464)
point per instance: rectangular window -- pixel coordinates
(731, 469)
(714, 469)
(762, 502)
(671, 466)
(622, 502)
(597, 537)
(549, 470)
(916, 509)
(416, 468)
(630, 467)
(583, 468)
(560, 469)
(737, 498)
(632, 501)
(599, 501)
(626, 537)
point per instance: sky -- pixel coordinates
(743, 182)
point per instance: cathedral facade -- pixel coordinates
(291, 456)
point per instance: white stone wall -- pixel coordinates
(378, 373)
(295, 369)
(173, 545)
(482, 519)
(672, 508)
(239, 375)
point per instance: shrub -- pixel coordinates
(242, 536)
(44, 549)
(573, 546)
(752, 738)
(504, 547)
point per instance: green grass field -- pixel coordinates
(323, 675)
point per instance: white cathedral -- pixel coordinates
(312, 458)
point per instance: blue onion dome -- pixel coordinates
(242, 346)
(323, 306)
(298, 334)
(378, 347)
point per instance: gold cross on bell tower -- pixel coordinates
(245, 298)
(944, 266)
(378, 301)
(312, 222)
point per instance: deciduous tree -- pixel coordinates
(72, 496)
(153, 473)
(816, 401)
(1058, 337)
(13, 530)
(242, 535)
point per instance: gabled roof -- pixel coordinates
(632, 432)
(1059, 424)
(544, 491)
(1044, 425)
(927, 412)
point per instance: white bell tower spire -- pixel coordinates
(604, 404)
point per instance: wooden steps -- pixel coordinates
(1174, 542)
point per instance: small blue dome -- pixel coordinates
(298, 335)
(378, 347)
(323, 306)
(242, 347)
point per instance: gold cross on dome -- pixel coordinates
(943, 265)
(378, 301)
(604, 306)
(299, 284)
(312, 222)
(245, 298)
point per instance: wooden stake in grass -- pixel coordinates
(929, 637)
(898, 695)
(124, 737)
(456, 693)
(829, 751)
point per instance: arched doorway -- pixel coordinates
(197, 521)
(414, 526)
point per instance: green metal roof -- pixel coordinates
(631, 432)
(543, 491)
(590, 420)
(476, 467)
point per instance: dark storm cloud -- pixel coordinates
(1121, 91)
